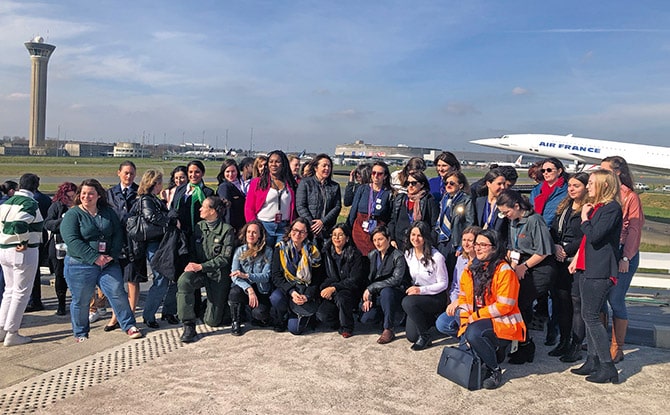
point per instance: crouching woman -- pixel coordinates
(489, 313)
(212, 250)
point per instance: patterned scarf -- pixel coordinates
(416, 209)
(444, 220)
(298, 265)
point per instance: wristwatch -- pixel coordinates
(625, 259)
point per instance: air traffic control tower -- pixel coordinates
(39, 55)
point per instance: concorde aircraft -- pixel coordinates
(654, 159)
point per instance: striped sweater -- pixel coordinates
(20, 221)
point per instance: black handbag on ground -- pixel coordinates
(461, 366)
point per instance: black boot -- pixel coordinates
(493, 378)
(590, 366)
(562, 348)
(170, 318)
(606, 373)
(574, 352)
(423, 342)
(235, 312)
(525, 353)
(61, 311)
(188, 336)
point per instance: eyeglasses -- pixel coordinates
(482, 245)
(412, 183)
(298, 232)
(549, 170)
(377, 173)
(450, 183)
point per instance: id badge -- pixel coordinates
(365, 225)
(102, 247)
(372, 224)
(278, 217)
(515, 256)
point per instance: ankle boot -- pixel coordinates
(606, 373)
(236, 311)
(525, 353)
(590, 366)
(189, 333)
(574, 352)
(619, 327)
(562, 348)
(60, 311)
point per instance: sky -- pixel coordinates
(298, 75)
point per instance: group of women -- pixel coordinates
(422, 252)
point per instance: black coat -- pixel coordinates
(52, 223)
(349, 273)
(235, 213)
(183, 207)
(570, 234)
(312, 291)
(315, 200)
(602, 233)
(399, 224)
(172, 254)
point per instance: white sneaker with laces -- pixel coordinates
(93, 317)
(134, 333)
(15, 339)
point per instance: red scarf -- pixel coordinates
(545, 193)
(581, 254)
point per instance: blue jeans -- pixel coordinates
(82, 279)
(449, 325)
(274, 231)
(385, 307)
(617, 295)
(158, 291)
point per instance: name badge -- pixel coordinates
(102, 247)
(515, 256)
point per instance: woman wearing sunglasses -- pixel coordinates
(548, 194)
(371, 207)
(416, 205)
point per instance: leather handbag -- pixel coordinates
(461, 366)
(139, 230)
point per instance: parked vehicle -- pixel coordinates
(641, 186)
(666, 188)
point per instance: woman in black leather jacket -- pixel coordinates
(388, 277)
(155, 213)
(566, 305)
(345, 270)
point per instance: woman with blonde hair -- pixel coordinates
(155, 214)
(598, 259)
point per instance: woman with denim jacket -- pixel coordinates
(250, 273)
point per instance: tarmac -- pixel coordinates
(263, 372)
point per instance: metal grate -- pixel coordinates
(37, 393)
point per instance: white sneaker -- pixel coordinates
(15, 339)
(93, 317)
(102, 311)
(3, 333)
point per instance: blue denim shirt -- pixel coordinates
(257, 268)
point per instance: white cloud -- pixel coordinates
(519, 91)
(18, 96)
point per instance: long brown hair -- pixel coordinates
(259, 247)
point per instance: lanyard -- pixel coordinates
(491, 208)
(373, 207)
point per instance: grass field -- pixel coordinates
(55, 170)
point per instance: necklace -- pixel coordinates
(88, 211)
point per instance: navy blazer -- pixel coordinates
(602, 241)
(118, 203)
(501, 226)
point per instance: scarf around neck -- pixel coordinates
(545, 194)
(298, 264)
(416, 199)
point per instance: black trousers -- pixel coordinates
(422, 311)
(238, 296)
(340, 309)
(537, 282)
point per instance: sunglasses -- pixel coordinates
(450, 183)
(377, 173)
(482, 245)
(549, 170)
(412, 183)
